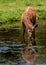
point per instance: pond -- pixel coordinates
(11, 46)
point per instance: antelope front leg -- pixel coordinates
(24, 35)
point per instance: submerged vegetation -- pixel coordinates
(11, 10)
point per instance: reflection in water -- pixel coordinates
(11, 47)
(10, 53)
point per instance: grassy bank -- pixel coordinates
(11, 10)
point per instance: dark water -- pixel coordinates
(11, 46)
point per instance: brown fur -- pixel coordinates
(28, 17)
(28, 21)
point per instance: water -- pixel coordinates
(11, 46)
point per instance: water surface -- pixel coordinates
(11, 46)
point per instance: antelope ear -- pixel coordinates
(36, 25)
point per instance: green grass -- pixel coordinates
(11, 10)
